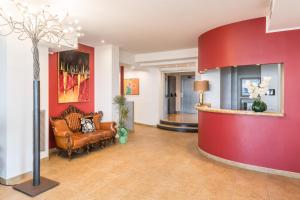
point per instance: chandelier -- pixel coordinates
(37, 24)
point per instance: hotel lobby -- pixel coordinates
(149, 100)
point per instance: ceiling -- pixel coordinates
(284, 15)
(140, 26)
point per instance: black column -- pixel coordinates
(36, 132)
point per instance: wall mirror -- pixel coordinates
(228, 86)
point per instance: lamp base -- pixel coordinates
(28, 188)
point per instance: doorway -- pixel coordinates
(171, 94)
(179, 96)
(179, 100)
(189, 96)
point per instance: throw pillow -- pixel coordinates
(87, 125)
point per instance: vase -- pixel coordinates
(122, 139)
(259, 106)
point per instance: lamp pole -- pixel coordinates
(36, 113)
(37, 25)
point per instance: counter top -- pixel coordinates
(238, 112)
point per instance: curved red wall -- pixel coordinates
(263, 141)
(56, 108)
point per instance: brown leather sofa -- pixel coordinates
(68, 135)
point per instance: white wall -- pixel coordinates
(3, 149)
(126, 58)
(147, 103)
(167, 55)
(178, 92)
(274, 71)
(106, 80)
(212, 96)
(19, 104)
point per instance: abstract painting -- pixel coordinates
(131, 86)
(73, 77)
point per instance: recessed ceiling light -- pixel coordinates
(102, 41)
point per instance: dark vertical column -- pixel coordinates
(122, 80)
(36, 132)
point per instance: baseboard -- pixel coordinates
(138, 123)
(250, 167)
(15, 180)
(18, 179)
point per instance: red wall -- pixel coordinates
(272, 142)
(56, 108)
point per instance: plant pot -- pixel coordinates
(259, 106)
(122, 139)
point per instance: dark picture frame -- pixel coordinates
(243, 85)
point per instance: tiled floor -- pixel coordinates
(156, 165)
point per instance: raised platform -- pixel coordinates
(180, 123)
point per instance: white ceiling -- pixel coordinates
(285, 15)
(140, 26)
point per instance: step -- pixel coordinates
(178, 128)
(182, 124)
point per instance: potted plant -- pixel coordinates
(256, 91)
(123, 115)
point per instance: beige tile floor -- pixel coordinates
(182, 117)
(154, 165)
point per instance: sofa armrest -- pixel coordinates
(62, 133)
(108, 126)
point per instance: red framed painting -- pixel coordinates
(73, 77)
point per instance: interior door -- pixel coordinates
(171, 94)
(189, 96)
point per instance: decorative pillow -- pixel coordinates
(87, 125)
(97, 119)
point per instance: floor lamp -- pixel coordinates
(36, 25)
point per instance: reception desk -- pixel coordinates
(241, 138)
(267, 142)
(238, 112)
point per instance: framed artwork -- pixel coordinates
(246, 104)
(131, 86)
(73, 77)
(244, 82)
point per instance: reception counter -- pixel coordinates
(238, 112)
(267, 142)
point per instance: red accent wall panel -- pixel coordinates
(122, 80)
(56, 108)
(263, 141)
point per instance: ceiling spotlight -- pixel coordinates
(102, 41)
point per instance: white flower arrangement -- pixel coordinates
(256, 91)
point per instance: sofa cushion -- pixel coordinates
(87, 125)
(73, 121)
(60, 125)
(95, 137)
(79, 140)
